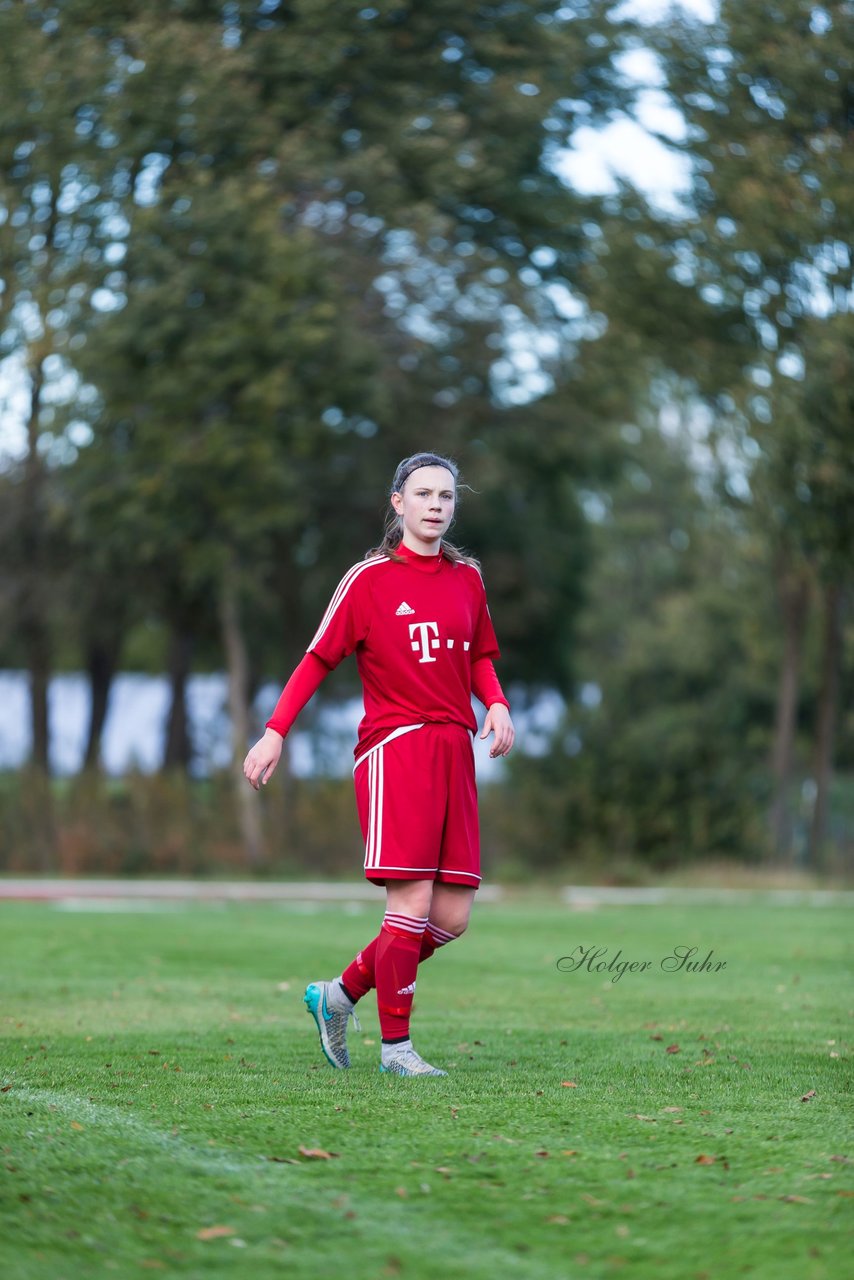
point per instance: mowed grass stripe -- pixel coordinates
(201, 1071)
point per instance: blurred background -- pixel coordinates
(254, 252)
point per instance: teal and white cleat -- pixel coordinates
(330, 1012)
(402, 1060)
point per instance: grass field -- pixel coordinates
(160, 1076)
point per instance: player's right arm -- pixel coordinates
(260, 764)
(344, 625)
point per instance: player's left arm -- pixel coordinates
(498, 722)
(485, 684)
(486, 687)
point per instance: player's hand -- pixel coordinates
(260, 764)
(498, 722)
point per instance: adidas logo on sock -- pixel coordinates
(402, 609)
(407, 991)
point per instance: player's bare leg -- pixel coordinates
(451, 907)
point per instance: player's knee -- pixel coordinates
(453, 926)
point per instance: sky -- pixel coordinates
(624, 148)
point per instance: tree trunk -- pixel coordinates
(35, 637)
(178, 748)
(35, 634)
(793, 592)
(33, 623)
(101, 665)
(826, 719)
(238, 705)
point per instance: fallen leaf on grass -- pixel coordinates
(705, 1160)
(671, 1108)
(796, 1199)
(672, 1048)
(569, 1153)
(75, 1125)
(568, 1084)
(651, 1119)
(283, 1159)
(317, 1153)
(541, 1153)
(6, 1088)
(559, 1219)
(809, 1095)
(214, 1233)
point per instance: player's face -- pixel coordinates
(426, 504)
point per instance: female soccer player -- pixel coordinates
(414, 612)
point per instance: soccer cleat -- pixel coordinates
(331, 1023)
(404, 1061)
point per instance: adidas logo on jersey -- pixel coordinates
(403, 609)
(407, 991)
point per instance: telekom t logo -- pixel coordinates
(428, 638)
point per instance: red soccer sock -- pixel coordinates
(395, 967)
(359, 977)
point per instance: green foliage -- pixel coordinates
(660, 756)
(261, 252)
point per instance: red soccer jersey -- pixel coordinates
(416, 629)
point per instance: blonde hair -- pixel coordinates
(393, 530)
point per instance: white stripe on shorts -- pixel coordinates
(373, 850)
(404, 728)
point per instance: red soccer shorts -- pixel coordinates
(417, 801)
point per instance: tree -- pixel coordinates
(756, 265)
(55, 167)
(656, 758)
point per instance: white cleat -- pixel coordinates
(404, 1061)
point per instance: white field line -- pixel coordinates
(106, 1118)
(581, 897)
(51, 889)
(87, 894)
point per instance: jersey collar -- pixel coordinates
(424, 564)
